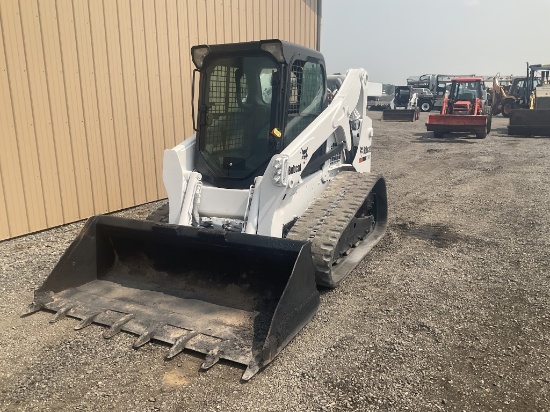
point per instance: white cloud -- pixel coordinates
(473, 2)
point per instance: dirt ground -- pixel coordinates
(450, 312)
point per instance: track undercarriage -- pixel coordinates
(343, 224)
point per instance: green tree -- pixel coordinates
(388, 88)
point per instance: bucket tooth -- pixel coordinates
(87, 321)
(146, 336)
(117, 326)
(32, 308)
(211, 358)
(250, 371)
(179, 344)
(62, 313)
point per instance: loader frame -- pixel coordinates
(231, 275)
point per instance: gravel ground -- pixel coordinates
(448, 313)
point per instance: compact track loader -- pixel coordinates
(465, 109)
(271, 197)
(403, 107)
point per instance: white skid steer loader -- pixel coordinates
(272, 196)
(403, 107)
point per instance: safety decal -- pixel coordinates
(364, 151)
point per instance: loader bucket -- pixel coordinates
(406, 115)
(228, 295)
(456, 123)
(529, 122)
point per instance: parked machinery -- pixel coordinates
(271, 196)
(499, 91)
(403, 107)
(465, 109)
(521, 93)
(437, 84)
(535, 96)
(515, 98)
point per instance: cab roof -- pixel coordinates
(288, 51)
(467, 79)
(536, 67)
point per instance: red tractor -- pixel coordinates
(465, 109)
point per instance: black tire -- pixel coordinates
(507, 106)
(160, 215)
(489, 121)
(482, 134)
(425, 105)
(439, 135)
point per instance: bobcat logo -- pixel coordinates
(304, 153)
(294, 169)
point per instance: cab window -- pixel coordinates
(306, 96)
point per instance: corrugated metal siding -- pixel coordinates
(93, 91)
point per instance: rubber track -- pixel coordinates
(329, 215)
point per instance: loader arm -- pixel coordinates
(342, 133)
(345, 119)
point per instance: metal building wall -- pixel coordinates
(93, 91)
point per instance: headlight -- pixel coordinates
(280, 171)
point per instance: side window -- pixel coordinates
(305, 101)
(266, 76)
(311, 99)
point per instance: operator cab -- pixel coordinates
(254, 99)
(464, 95)
(402, 96)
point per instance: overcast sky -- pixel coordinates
(394, 39)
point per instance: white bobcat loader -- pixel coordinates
(272, 196)
(403, 107)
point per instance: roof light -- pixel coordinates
(275, 48)
(198, 53)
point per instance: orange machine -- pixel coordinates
(465, 109)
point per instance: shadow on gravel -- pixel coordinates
(427, 137)
(499, 131)
(503, 132)
(528, 137)
(439, 235)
